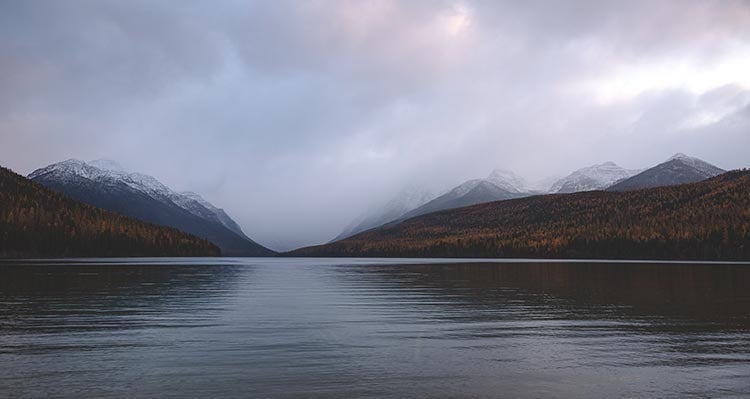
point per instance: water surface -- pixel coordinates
(348, 328)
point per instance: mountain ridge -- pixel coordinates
(36, 221)
(406, 200)
(708, 220)
(503, 184)
(471, 192)
(145, 198)
(678, 169)
(594, 177)
(499, 184)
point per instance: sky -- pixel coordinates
(298, 116)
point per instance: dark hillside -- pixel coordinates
(38, 222)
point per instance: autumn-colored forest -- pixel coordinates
(38, 222)
(709, 220)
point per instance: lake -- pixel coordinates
(344, 328)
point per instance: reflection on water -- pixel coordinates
(354, 328)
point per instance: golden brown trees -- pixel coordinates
(706, 220)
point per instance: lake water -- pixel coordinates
(299, 328)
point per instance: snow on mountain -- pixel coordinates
(678, 169)
(220, 214)
(596, 177)
(406, 200)
(105, 171)
(699, 165)
(70, 168)
(508, 181)
(108, 172)
(471, 192)
(464, 188)
(499, 184)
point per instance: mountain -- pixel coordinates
(469, 193)
(187, 200)
(596, 177)
(106, 185)
(508, 181)
(709, 220)
(217, 213)
(413, 201)
(38, 222)
(679, 169)
(405, 201)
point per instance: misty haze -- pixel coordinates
(374, 198)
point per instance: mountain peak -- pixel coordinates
(595, 177)
(678, 169)
(71, 161)
(69, 167)
(705, 168)
(71, 164)
(507, 180)
(680, 156)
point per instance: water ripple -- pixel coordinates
(370, 328)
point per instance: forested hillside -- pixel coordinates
(38, 222)
(708, 220)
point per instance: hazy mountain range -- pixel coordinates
(503, 185)
(105, 184)
(707, 220)
(469, 193)
(416, 200)
(406, 200)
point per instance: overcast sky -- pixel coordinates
(296, 116)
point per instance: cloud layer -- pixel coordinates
(296, 116)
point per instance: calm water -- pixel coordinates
(355, 328)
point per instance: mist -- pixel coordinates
(296, 117)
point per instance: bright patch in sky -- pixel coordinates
(456, 21)
(629, 81)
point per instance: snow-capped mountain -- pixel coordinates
(108, 171)
(107, 185)
(596, 177)
(413, 201)
(472, 192)
(508, 181)
(678, 169)
(701, 167)
(219, 213)
(406, 200)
